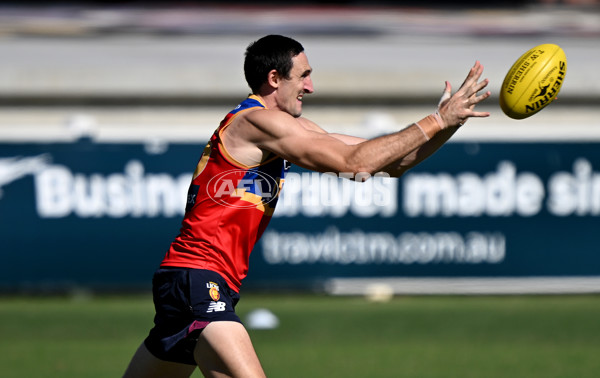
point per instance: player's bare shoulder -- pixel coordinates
(239, 139)
(247, 125)
(271, 121)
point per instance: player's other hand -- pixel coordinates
(455, 109)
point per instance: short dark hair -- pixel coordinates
(268, 53)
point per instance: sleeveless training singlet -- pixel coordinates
(229, 205)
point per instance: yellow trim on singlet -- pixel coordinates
(259, 99)
(203, 160)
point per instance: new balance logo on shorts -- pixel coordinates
(216, 306)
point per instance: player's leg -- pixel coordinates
(145, 365)
(224, 349)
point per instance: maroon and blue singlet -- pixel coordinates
(228, 208)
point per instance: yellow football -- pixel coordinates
(533, 82)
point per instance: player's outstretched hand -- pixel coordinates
(454, 110)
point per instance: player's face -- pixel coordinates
(293, 89)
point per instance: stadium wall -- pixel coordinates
(97, 213)
(104, 112)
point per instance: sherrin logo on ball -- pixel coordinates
(533, 82)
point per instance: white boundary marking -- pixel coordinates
(465, 285)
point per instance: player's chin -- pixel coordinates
(297, 112)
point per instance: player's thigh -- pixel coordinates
(145, 365)
(224, 349)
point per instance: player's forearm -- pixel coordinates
(375, 155)
(403, 150)
(398, 168)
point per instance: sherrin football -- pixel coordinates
(533, 82)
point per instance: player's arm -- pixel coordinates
(285, 136)
(448, 112)
(289, 137)
(399, 167)
(406, 159)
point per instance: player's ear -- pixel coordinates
(273, 78)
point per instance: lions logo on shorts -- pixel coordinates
(213, 291)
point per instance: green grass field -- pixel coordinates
(319, 336)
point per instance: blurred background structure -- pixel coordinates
(104, 109)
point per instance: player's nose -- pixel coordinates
(308, 85)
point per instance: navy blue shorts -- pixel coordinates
(186, 301)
